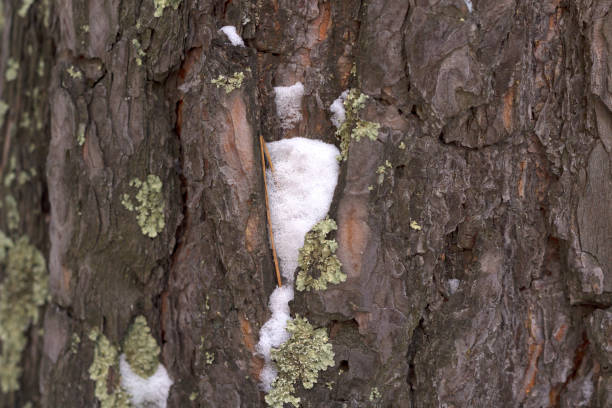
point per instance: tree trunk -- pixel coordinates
(475, 232)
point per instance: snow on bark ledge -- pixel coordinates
(300, 193)
(288, 101)
(233, 36)
(149, 392)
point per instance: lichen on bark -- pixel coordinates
(141, 349)
(150, 205)
(317, 260)
(299, 359)
(353, 126)
(105, 360)
(22, 292)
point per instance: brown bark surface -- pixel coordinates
(497, 124)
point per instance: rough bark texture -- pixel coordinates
(498, 127)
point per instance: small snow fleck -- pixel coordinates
(232, 35)
(468, 3)
(453, 285)
(289, 104)
(337, 109)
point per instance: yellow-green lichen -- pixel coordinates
(81, 134)
(317, 260)
(402, 146)
(25, 6)
(12, 212)
(12, 70)
(41, 68)
(3, 109)
(105, 360)
(141, 349)
(150, 205)
(140, 54)
(22, 292)
(375, 394)
(74, 343)
(353, 126)
(210, 357)
(382, 170)
(74, 72)
(415, 226)
(160, 5)
(229, 83)
(299, 359)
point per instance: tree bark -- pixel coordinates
(479, 265)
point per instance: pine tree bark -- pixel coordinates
(479, 265)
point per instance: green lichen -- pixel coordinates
(353, 126)
(415, 226)
(382, 170)
(41, 68)
(141, 349)
(402, 146)
(299, 359)
(1, 15)
(210, 357)
(75, 342)
(22, 292)
(25, 6)
(105, 359)
(231, 83)
(81, 134)
(74, 72)
(160, 5)
(3, 109)
(193, 396)
(317, 260)
(150, 205)
(12, 213)
(375, 394)
(139, 51)
(12, 70)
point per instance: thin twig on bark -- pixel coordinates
(263, 147)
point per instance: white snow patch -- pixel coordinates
(337, 109)
(300, 193)
(468, 3)
(149, 392)
(453, 285)
(289, 104)
(233, 35)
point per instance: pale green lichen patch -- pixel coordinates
(74, 343)
(105, 359)
(3, 109)
(375, 394)
(299, 359)
(317, 260)
(402, 146)
(382, 170)
(12, 212)
(229, 83)
(12, 70)
(150, 205)
(81, 134)
(22, 292)
(141, 349)
(74, 72)
(25, 6)
(160, 5)
(140, 54)
(353, 126)
(415, 226)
